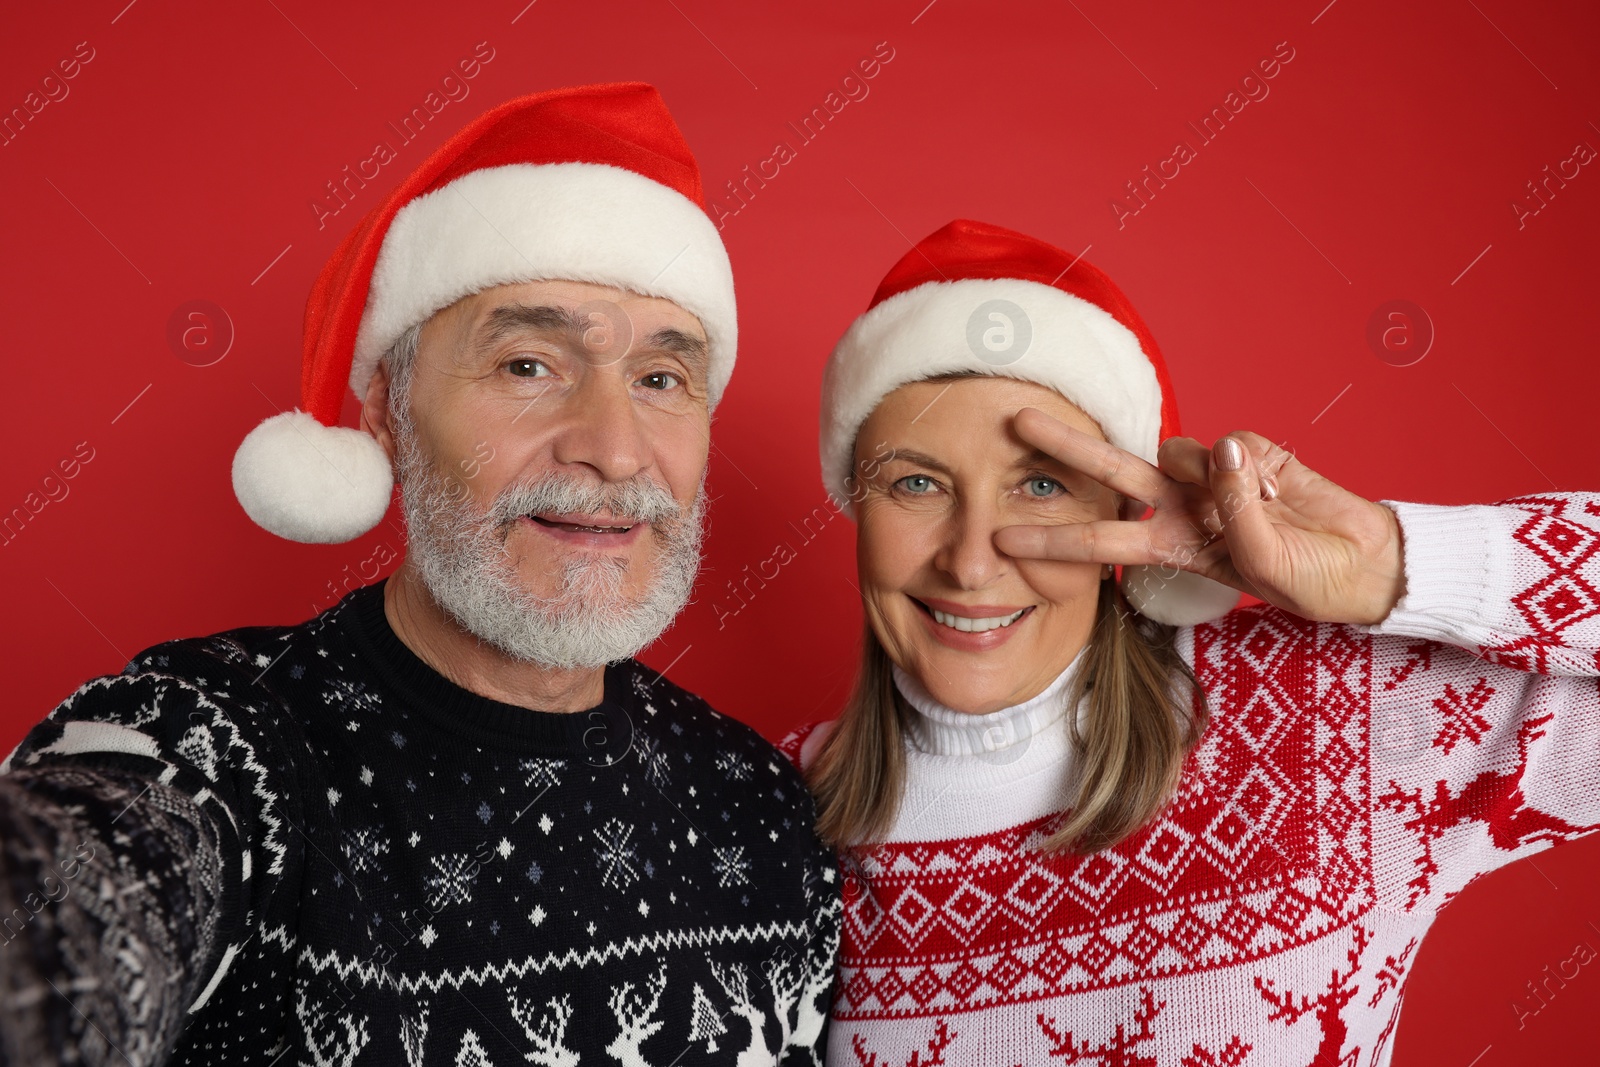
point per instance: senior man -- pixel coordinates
(450, 820)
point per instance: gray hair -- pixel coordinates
(401, 359)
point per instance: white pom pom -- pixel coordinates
(1182, 599)
(312, 483)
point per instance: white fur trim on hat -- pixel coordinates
(312, 483)
(1073, 347)
(586, 222)
(1177, 599)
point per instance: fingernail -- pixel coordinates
(1269, 488)
(1230, 454)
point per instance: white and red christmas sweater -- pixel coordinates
(1352, 780)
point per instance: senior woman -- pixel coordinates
(1092, 820)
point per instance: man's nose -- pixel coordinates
(601, 429)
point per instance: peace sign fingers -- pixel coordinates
(1115, 468)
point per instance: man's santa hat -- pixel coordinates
(589, 184)
(978, 298)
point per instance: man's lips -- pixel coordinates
(578, 522)
(594, 531)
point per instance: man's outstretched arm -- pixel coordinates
(111, 890)
(123, 880)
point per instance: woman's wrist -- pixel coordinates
(1450, 568)
(1384, 575)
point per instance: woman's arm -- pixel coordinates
(1462, 732)
(1516, 583)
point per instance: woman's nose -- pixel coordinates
(968, 554)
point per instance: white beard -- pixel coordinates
(460, 556)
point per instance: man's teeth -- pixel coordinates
(581, 528)
(975, 626)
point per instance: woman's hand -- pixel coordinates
(1244, 512)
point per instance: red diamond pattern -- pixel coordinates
(963, 980)
(1557, 602)
(1032, 891)
(1190, 935)
(1229, 831)
(1096, 953)
(891, 987)
(1240, 924)
(967, 905)
(1053, 962)
(911, 909)
(1287, 911)
(1142, 947)
(1007, 973)
(1561, 544)
(1165, 848)
(1337, 759)
(1339, 813)
(1261, 644)
(925, 986)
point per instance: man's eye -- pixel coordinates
(1044, 487)
(660, 380)
(527, 368)
(917, 484)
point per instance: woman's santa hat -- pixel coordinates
(978, 298)
(590, 184)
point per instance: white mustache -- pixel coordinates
(636, 500)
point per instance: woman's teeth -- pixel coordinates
(975, 626)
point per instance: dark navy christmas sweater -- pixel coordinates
(303, 845)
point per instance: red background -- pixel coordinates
(1382, 166)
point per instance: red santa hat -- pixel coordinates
(977, 298)
(591, 184)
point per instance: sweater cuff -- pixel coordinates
(1456, 564)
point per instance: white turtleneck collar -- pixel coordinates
(941, 731)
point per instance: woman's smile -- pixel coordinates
(971, 628)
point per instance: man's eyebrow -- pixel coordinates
(684, 344)
(507, 320)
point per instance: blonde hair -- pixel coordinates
(1146, 711)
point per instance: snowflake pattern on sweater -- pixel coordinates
(1352, 781)
(304, 846)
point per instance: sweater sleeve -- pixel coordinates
(125, 861)
(1484, 743)
(1516, 583)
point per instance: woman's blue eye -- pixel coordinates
(1042, 486)
(916, 483)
